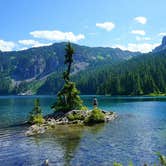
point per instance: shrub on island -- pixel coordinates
(75, 116)
(35, 116)
(96, 116)
(68, 98)
(38, 119)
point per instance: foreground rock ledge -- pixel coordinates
(61, 118)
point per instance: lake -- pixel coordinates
(136, 135)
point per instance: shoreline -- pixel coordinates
(106, 95)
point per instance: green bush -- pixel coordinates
(38, 119)
(96, 116)
(35, 116)
(75, 116)
(70, 117)
(117, 164)
(84, 108)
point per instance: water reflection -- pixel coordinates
(68, 140)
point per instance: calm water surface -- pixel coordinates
(136, 135)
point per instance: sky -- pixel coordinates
(135, 25)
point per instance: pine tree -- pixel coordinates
(68, 97)
(36, 113)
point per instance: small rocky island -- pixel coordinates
(68, 108)
(79, 117)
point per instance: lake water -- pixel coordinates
(136, 135)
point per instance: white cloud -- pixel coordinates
(138, 38)
(143, 47)
(28, 42)
(162, 34)
(23, 48)
(106, 25)
(138, 32)
(57, 35)
(141, 20)
(42, 44)
(6, 45)
(33, 43)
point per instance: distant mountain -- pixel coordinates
(39, 62)
(96, 70)
(162, 47)
(18, 68)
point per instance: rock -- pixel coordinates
(51, 122)
(46, 163)
(109, 116)
(35, 129)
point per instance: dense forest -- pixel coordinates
(141, 75)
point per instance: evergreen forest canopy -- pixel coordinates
(141, 75)
(133, 75)
(138, 76)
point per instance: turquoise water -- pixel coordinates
(137, 134)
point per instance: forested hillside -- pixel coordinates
(141, 75)
(38, 62)
(138, 76)
(96, 71)
(28, 69)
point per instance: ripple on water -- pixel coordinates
(138, 132)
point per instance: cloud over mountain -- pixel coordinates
(57, 35)
(6, 45)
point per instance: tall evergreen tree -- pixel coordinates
(68, 97)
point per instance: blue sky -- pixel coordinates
(136, 25)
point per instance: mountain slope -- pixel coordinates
(96, 71)
(27, 64)
(19, 69)
(138, 76)
(161, 47)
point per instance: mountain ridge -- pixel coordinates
(161, 47)
(41, 61)
(37, 69)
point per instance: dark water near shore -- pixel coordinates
(137, 134)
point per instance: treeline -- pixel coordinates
(139, 76)
(5, 85)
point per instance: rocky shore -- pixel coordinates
(61, 118)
